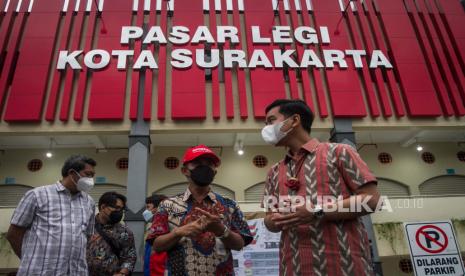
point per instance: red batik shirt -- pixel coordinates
(323, 247)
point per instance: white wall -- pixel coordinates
(236, 172)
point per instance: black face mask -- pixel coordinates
(202, 175)
(115, 216)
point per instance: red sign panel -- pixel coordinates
(424, 41)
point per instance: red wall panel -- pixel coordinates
(344, 86)
(108, 87)
(228, 89)
(317, 74)
(424, 40)
(215, 72)
(299, 51)
(86, 72)
(388, 76)
(418, 94)
(69, 74)
(133, 105)
(440, 70)
(188, 86)
(359, 43)
(9, 35)
(26, 99)
(240, 72)
(57, 75)
(291, 73)
(267, 84)
(161, 111)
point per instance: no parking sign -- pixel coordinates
(433, 248)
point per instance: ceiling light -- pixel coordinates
(419, 148)
(49, 153)
(239, 144)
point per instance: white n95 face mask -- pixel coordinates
(272, 134)
(84, 184)
(148, 215)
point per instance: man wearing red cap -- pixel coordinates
(199, 228)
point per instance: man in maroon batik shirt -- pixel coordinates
(319, 236)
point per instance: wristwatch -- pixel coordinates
(226, 233)
(318, 211)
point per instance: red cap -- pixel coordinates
(200, 150)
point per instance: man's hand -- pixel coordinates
(191, 229)
(300, 216)
(15, 237)
(270, 221)
(212, 222)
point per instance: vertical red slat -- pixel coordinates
(374, 75)
(161, 110)
(430, 43)
(9, 34)
(350, 17)
(291, 72)
(453, 60)
(6, 24)
(343, 84)
(240, 72)
(108, 86)
(387, 74)
(69, 74)
(317, 74)
(57, 75)
(149, 78)
(133, 105)
(452, 17)
(26, 99)
(188, 87)
(228, 91)
(267, 84)
(299, 50)
(418, 94)
(5, 18)
(148, 94)
(215, 82)
(85, 73)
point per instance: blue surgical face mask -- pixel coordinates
(148, 215)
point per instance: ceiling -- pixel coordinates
(402, 137)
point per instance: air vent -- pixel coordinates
(171, 163)
(34, 165)
(260, 161)
(122, 163)
(405, 265)
(384, 158)
(428, 157)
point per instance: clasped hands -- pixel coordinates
(206, 223)
(300, 215)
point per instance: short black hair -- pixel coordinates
(157, 199)
(77, 163)
(291, 107)
(110, 198)
(149, 200)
